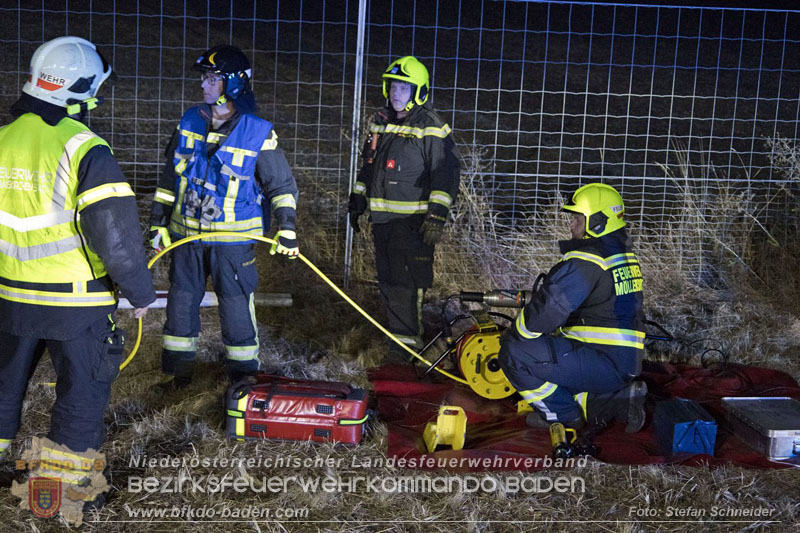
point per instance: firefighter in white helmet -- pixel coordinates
(69, 234)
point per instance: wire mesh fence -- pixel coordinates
(655, 100)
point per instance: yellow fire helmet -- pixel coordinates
(409, 70)
(602, 206)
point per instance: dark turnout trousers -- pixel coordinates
(405, 269)
(234, 275)
(85, 366)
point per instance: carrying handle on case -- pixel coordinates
(333, 386)
(353, 421)
(272, 390)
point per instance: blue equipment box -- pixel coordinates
(682, 426)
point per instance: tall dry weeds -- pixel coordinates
(707, 280)
(322, 338)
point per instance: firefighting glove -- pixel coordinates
(355, 208)
(159, 238)
(432, 229)
(286, 245)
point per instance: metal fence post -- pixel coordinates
(355, 132)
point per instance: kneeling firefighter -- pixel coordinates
(577, 346)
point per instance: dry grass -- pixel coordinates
(745, 307)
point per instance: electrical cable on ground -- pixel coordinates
(310, 265)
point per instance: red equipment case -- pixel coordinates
(274, 407)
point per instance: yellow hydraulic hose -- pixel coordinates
(310, 265)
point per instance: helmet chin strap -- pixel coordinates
(83, 107)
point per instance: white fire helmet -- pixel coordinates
(66, 71)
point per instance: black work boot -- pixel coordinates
(396, 355)
(96, 504)
(625, 405)
(637, 394)
(170, 384)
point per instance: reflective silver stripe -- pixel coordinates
(605, 264)
(539, 393)
(191, 137)
(360, 188)
(409, 340)
(420, 329)
(102, 192)
(242, 225)
(68, 467)
(615, 260)
(599, 335)
(229, 171)
(79, 462)
(179, 155)
(271, 143)
(180, 167)
(419, 133)
(238, 154)
(215, 137)
(392, 206)
(180, 344)
(38, 251)
(241, 353)
(442, 198)
(205, 184)
(549, 415)
(224, 238)
(283, 200)
(535, 396)
(592, 258)
(609, 336)
(522, 328)
(164, 196)
(56, 298)
(229, 202)
(23, 224)
(251, 306)
(580, 399)
(61, 185)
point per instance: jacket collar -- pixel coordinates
(50, 113)
(227, 126)
(615, 239)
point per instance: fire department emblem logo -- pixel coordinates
(44, 496)
(390, 164)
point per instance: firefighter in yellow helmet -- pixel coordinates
(576, 348)
(70, 235)
(409, 180)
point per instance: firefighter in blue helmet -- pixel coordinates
(409, 181)
(224, 172)
(69, 230)
(576, 348)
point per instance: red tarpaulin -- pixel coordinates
(498, 439)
